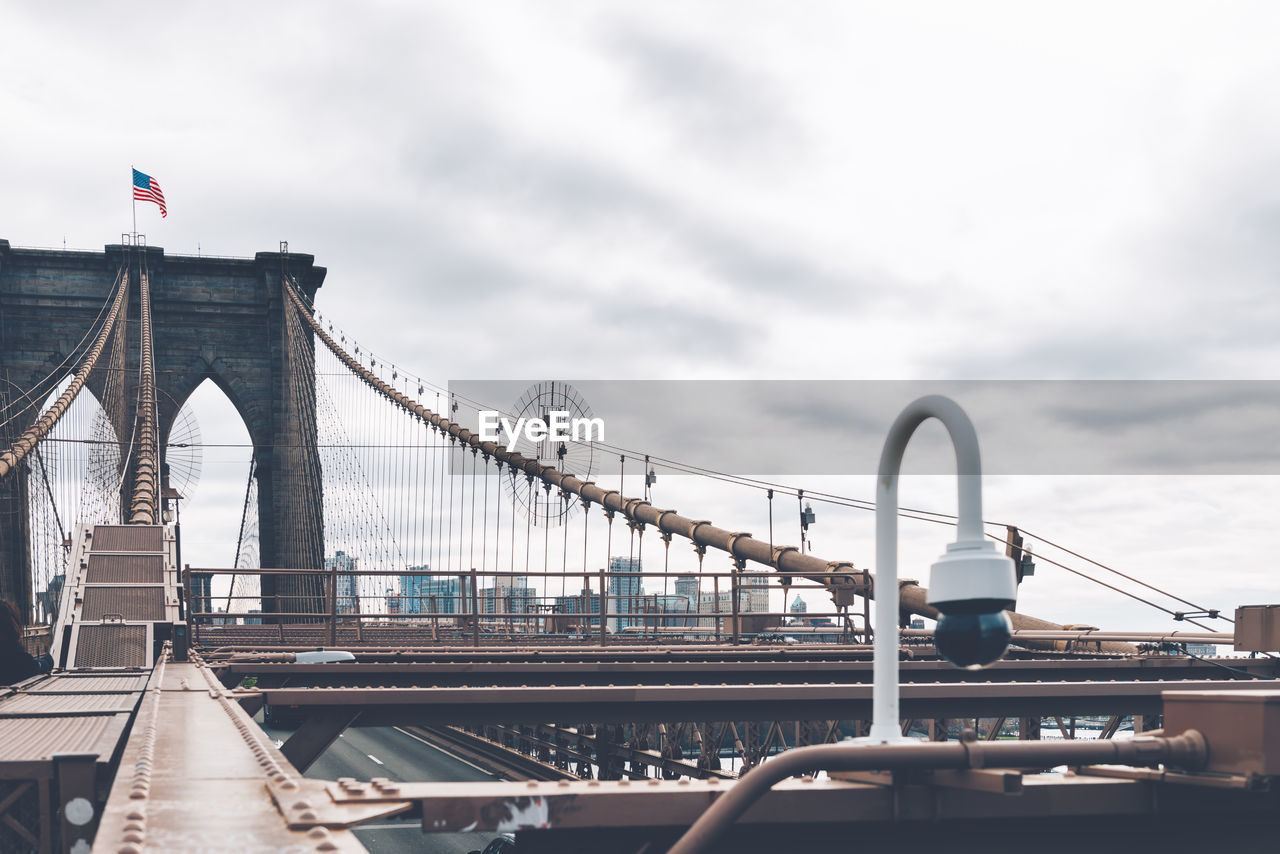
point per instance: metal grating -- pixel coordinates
(131, 603)
(24, 705)
(24, 739)
(69, 683)
(127, 538)
(125, 569)
(111, 646)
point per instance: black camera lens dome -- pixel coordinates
(973, 641)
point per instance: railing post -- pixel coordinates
(475, 610)
(604, 608)
(333, 605)
(186, 592)
(715, 604)
(733, 585)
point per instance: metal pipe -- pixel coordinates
(37, 431)
(1035, 635)
(785, 559)
(1138, 637)
(1187, 750)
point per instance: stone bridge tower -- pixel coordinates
(216, 318)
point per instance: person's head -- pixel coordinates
(10, 625)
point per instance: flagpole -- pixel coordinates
(135, 204)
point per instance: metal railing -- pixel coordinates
(609, 606)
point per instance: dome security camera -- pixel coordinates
(972, 585)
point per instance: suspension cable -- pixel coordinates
(144, 503)
(34, 434)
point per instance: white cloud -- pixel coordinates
(778, 191)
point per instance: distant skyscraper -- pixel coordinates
(657, 610)
(753, 592)
(585, 603)
(393, 602)
(507, 600)
(348, 595)
(799, 609)
(687, 586)
(433, 594)
(627, 586)
(753, 598)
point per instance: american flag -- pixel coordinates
(146, 188)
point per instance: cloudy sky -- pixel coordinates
(610, 191)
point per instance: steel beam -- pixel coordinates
(317, 732)
(650, 703)
(757, 665)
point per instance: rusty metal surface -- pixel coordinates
(309, 804)
(194, 777)
(125, 569)
(1258, 628)
(1244, 727)
(128, 538)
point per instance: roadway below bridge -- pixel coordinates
(397, 754)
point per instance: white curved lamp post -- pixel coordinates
(972, 583)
